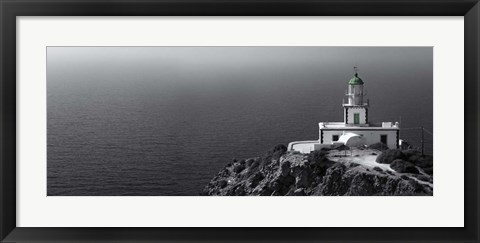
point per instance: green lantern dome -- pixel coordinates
(355, 80)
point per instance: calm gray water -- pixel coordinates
(165, 120)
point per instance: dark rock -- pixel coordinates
(240, 190)
(403, 166)
(280, 147)
(407, 188)
(353, 165)
(302, 179)
(255, 179)
(388, 156)
(319, 163)
(237, 168)
(256, 163)
(379, 182)
(423, 178)
(416, 157)
(314, 174)
(222, 183)
(299, 192)
(358, 183)
(333, 183)
(278, 151)
(428, 171)
(285, 168)
(362, 185)
(390, 186)
(281, 185)
(224, 173)
(317, 156)
(264, 191)
(376, 168)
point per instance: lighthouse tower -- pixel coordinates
(355, 109)
(355, 130)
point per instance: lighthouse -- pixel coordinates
(356, 130)
(355, 111)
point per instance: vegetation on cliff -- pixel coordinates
(407, 161)
(326, 173)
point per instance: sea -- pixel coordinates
(164, 121)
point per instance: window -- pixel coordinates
(383, 139)
(356, 118)
(334, 138)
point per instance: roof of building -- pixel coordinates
(370, 126)
(355, 80)
(352, 139)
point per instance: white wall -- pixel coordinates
(371, 136)
(361, 110)
(306, 147)
(303, 146)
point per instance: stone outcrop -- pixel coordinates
(390, 155)
(403, 166)
(279, 173)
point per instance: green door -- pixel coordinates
(356, 118)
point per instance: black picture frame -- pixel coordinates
(10, 9)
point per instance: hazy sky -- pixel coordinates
(238, 66)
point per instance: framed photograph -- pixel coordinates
(239, 121)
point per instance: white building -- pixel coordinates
(355, 130)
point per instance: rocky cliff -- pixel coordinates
(330, 172)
